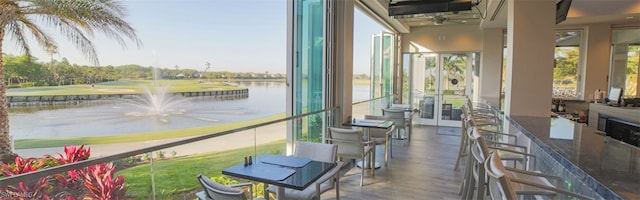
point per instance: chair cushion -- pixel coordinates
(317, 151)
(220, 187)
(378, 140)
(526, 189)
(506, 155)
(378, 133)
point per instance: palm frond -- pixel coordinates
(40, 36)
(77, 20)
(14, 30)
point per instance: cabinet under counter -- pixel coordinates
(621, 123)
(627, 114)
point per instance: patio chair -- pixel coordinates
(381, 137)
(350, 145)
(318, 152)
(400, 121)
(505, 184)
(215, 190)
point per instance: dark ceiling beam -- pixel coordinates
(428, 6)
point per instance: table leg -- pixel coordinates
(367, 165)
(265, 192)
(280, 194)
(363, 163)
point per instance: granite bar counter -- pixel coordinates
(591, 163)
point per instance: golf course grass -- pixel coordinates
(122, 87)
(178, 175)
(139, 137)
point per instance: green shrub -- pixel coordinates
(448, 92)
(160, 154)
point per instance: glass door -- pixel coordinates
(382, 55)
(424, 87)
(438, 85)
(455, 84)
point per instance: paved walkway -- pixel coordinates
(266, 134)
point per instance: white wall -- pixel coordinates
(443, 39)
(530, 54)
(491, 67)
(597, 61)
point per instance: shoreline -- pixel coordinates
(246, 138)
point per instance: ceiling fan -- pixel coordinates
(441, 19)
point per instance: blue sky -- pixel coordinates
(233, 35)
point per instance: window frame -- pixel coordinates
(580, 71)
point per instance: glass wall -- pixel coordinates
(406, 70)
(387, 63)
(375, 67)
(624, 63)
(382, 55)
(567, 69)
(308, 74)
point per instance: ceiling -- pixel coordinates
(442, 18)
(493, 14)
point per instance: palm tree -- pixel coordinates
(455, 66)
(75, 19)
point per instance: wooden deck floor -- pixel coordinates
(421, 169)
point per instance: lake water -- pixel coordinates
(265, 99)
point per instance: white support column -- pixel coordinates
(340, 58)
(531, 41)
(491, 67)
(598, 52)
(290, 60)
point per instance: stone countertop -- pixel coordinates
(602, 161)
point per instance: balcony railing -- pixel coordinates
(168, 169)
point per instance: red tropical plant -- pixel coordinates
(22, 166)
(94, 182)
(68, 186)
(31, 189)
(72, 184)
(73, 154)
(101, 183)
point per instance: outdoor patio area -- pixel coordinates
(421, 169)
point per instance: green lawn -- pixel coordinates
(120, 87)
(137, 137)
(455, 100)
(178, 175)
(361, 81)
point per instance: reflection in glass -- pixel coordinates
(453, 85)
(626, 53)
(567, 65)
(308, 70)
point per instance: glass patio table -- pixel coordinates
(282, 171)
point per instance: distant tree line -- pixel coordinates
(23, 71)
(361, 76)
